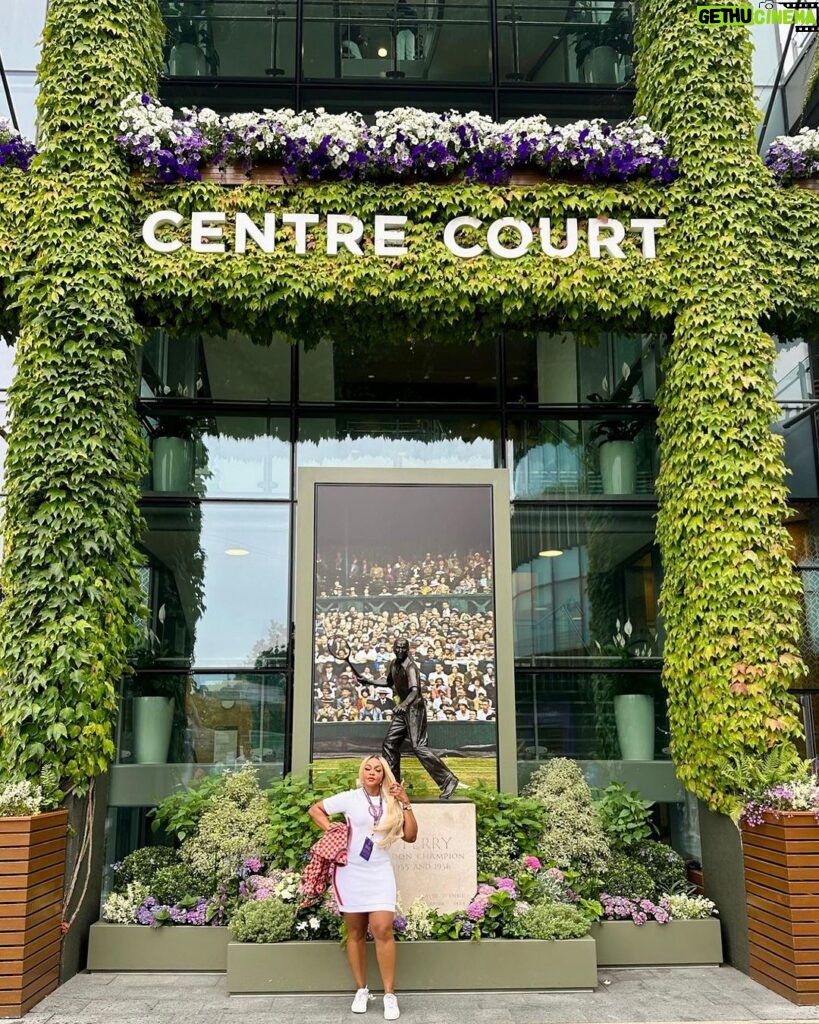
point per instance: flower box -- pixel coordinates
(32, 873)
(676, 944)
(781, 857)
(489, 965)
(235, 174)
(134, 947)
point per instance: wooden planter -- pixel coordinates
(782, 893)
(32, 870)
(811, 184)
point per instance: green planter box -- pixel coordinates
(490, 965)
(624, 944)
(133, 947)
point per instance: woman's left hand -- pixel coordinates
(398, 791)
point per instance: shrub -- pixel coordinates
(178, 882)
(625, 876)
(142, 866)
(573, 834)
(122, 907)
(665, 866)
(263, 921)
(20, 799)
(179, 814)
(507, 828)
(690, 908)
(232, 829)
(624, 816)
(554, 921)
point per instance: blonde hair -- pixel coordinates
(392, 821)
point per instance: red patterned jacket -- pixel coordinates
(327, 853)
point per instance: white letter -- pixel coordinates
(245, 228)
(596, 243)
(301, 220)
(452, 229)
(387, 242)
(349, 239)
(647, 226)
(153, 222)
(202, 230)
(494, 231)
(569, 249)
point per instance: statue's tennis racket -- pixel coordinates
(339, 648)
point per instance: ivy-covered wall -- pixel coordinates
(738, 258)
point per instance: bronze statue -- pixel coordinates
(409, 720)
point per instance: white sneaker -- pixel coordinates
(391, 1011)
(361, 1001)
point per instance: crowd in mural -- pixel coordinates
(357, 576)
(454, 651)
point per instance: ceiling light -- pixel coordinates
(237, 552)
(382, 51)
(550, 553)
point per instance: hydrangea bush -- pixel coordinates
(15, 151)
(316, 145)
(794, 156)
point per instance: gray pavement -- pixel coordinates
(656, 995)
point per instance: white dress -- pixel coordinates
(361, 886)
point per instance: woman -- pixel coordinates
(378, 814)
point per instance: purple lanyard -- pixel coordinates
(375, 812)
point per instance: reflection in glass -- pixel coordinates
(219, 456)
(557, 369)
(400, 441)
(215, 719)
(218, 587)
(612, 455)
(585, 585)
(232, 367)
(414, 562)
(229, 38)
(447, 373)
(572, 714)
(397, 40)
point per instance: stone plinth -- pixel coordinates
(442, 864)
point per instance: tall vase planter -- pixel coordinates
(173, 464)
(634, 715)
(618, 467)
(32, 873)
(781, 858)
(600, 67)
(153, 724)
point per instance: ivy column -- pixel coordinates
(730, 596)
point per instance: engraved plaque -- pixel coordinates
(442, 864)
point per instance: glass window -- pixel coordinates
(3, 446)
(585, 585)
(437, 372)
(613, 455)
(203, 719)
(230, 39)
(400, 441)
(573, 714)
(219, 455)
(204, 366)
(552, 369)
(218, 585)
(796, 422)
(24, 88)
(23, 22)
(6, 365)
(397, 40)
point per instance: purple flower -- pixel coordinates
(399, 924)
(476, 910)
(531, 864)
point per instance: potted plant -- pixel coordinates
(189, 49)
(615, 437)
(633, 696)
(601, 46)
(33, 837)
